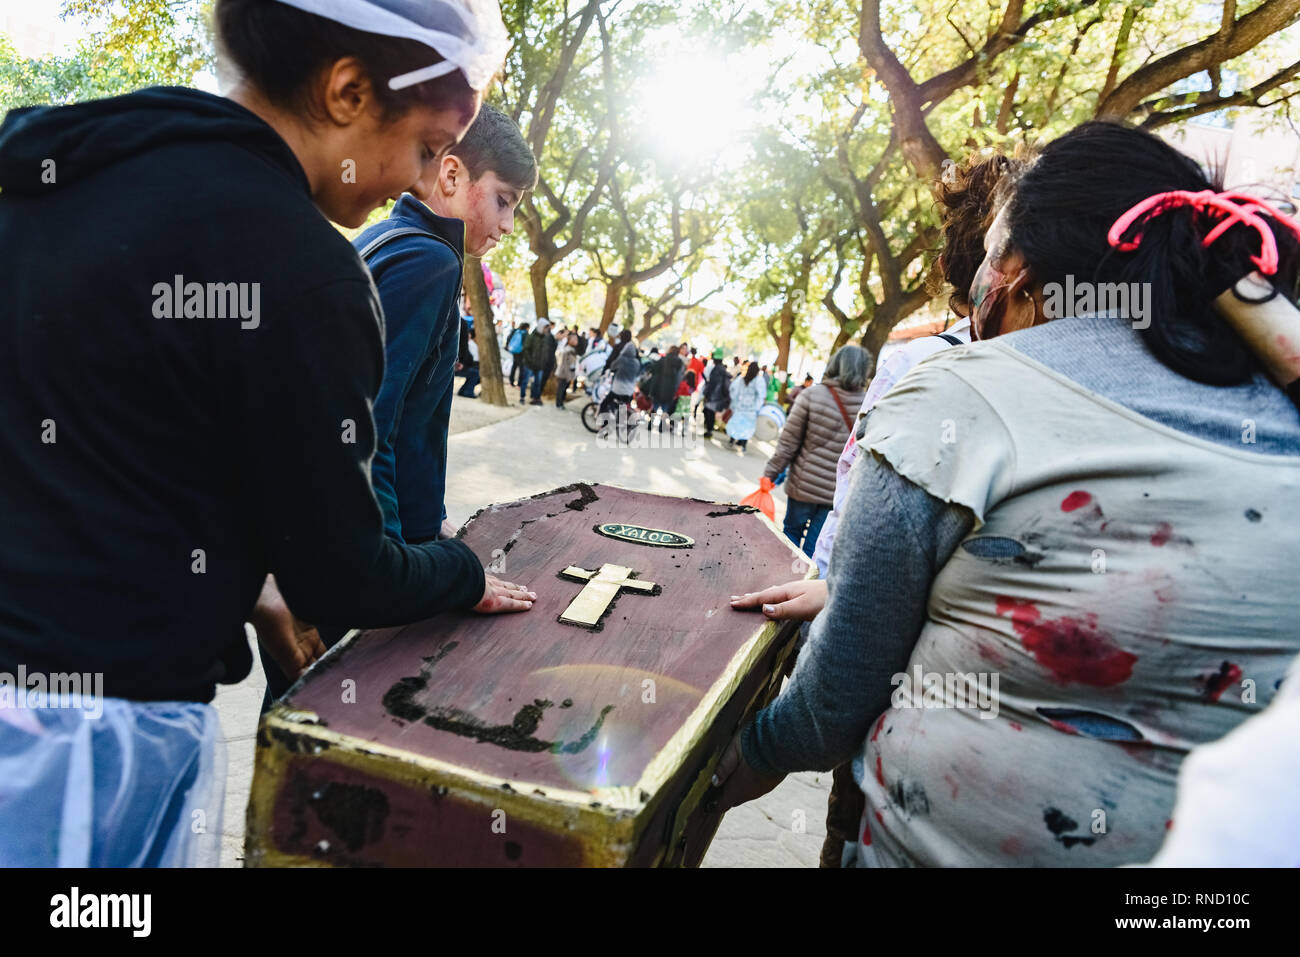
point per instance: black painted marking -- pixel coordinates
(1058, 823)
(734, 510)
(518, 735)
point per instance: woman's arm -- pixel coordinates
(893, 539)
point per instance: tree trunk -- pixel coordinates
(877, 332)
(485, 334)
(537, 273)
(784, 332)
(613, 297)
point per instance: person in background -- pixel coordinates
(515, 346)
(810, 444)
(807, 383)
(467, 363)
(717, 392)
(621, 344)
(566, 367)
(773, 386)
(175, 488)
(592, 364)
(625, 364)
(747, 393)
(698, 366)
(682, 410)
(665, 377)
(695, 363)
(1108, 436)
(538, 360)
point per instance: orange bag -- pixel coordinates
(762, 499)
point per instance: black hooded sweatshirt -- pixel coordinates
(161, 453)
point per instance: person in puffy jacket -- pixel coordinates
(810, 444)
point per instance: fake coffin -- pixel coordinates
(582, 732)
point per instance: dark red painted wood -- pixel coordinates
(521, 697)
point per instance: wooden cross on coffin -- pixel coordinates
(598, 595)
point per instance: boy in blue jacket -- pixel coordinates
(416, 257)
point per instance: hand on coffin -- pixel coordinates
(739, 781)
(292, 644)
(502, 596)
(793, 601)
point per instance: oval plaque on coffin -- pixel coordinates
(645, 536)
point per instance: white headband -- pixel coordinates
(469, 34)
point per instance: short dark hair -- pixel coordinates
(494, 144)
(281, 49)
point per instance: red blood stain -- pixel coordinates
(1015, 726)
(1023, 613)
(1164, 531)
(1073, 649)
(880, 723)
(952, 784)
(1062, 727)
(989, 653)
(1011, 846)
(880, 771)
(1169, 824)
(880, 818)
(1075, 500)
(1220, 681)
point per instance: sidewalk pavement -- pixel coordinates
(497, 455)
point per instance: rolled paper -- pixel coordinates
(1271, 329)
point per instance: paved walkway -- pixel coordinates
(498, 455)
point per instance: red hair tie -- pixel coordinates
(1232, 206)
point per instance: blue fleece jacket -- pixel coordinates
(419, 282)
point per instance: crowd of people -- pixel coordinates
(1087, 507)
